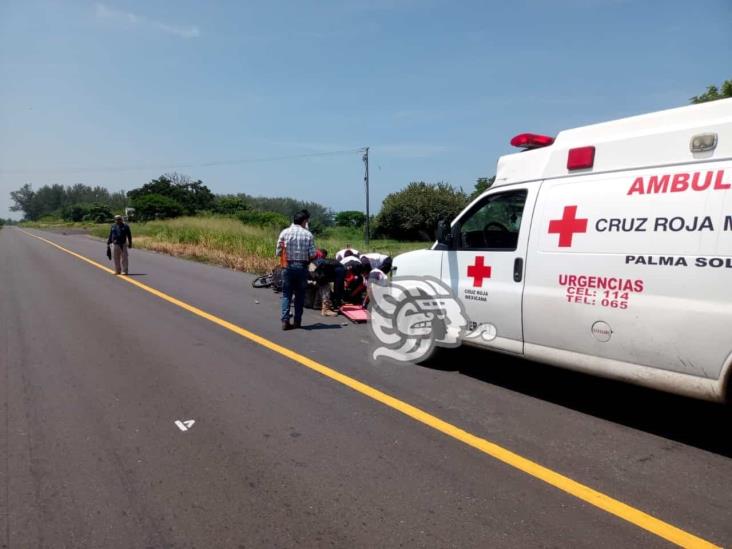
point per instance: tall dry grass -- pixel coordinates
(228, 242)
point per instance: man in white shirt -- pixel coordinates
(382, 262)
(296, 243)
(350, 260)
(344, 252)
(375, 259)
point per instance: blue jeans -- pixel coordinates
(294, 281)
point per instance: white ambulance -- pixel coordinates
(607, 250)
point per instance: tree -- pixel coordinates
(320, 216)
(413, 213)
(70, 203)
(156, 206)
(84, 194)
(118, 201)
(229, 205)
(713, 93)
(75, 212)
(196, 197)
(482, 184)
(96, 212)
(25, 201)
(50, 199)
(192, 196)
(350, 218)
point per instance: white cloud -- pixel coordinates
(132, 19)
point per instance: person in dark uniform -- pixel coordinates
(121, 236)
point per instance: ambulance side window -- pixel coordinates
(494, 223)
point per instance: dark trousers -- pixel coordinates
(340, 277)
(294, 281)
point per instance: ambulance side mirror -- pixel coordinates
(455, 235)
(446, 235)
(443, 231)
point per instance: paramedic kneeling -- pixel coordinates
(297, 245)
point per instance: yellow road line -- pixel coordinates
(585, 493)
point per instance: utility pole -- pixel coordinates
(366, 180)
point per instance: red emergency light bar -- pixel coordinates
(531, 141)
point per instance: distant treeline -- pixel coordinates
(73, 203)
(172, 195)
(409, 214)
(168, 196)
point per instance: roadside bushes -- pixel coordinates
(156, 206)
(350, 218)
(56, 201)
(263, 219)
(228, 205)
(96, 213)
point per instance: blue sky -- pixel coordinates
(115, 93)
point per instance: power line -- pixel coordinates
(120, 169)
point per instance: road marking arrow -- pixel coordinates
(184, 425)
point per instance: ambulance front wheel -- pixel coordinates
(441, 358)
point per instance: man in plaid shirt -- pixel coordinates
(298, 246)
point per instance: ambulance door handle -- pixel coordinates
(518, 269)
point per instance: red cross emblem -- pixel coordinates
(567, 226)
(478, 272)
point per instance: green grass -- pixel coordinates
(336, 238)
(49, 223)
(227, 241)
(222, 234)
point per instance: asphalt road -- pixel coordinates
(95, 371)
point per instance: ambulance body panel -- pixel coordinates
(649, 268)
(622, 269)
(424, 262)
